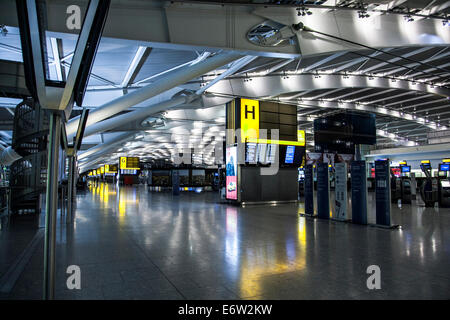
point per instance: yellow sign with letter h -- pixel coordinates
(249, 119)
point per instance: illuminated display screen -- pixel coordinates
(444, 167)
(231, 173)
(250, 156)
(290, 151)
(406, 169)
(271, 153)
(261, 153)
(129, 163)
(396, 172)
(128, 171)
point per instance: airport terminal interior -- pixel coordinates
(224, 150)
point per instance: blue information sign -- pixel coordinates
(359, 192)
(323, 191)
(383, 193)
(309, 190)
(290, 151)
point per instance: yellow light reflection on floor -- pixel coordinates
(257, 266)
(127, 196)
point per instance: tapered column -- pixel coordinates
(51, 206)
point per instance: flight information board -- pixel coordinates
(251, 153)
(111, 168)
(271, 153)
(129, 163)
(261, 153)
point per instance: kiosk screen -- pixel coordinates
(406, 169)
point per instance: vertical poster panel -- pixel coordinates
(309, 190)
(359, 192)
(231, 172)
(175, 182)
(383, 192)
(341, 191)
(323, 191)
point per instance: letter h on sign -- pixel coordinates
(251, 112)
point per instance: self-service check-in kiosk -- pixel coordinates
(405, 185)
(395, 187)
(444, 185)
(429, 189)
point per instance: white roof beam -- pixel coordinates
(425, 103)
(410, 99)
(133, 66)
(359, 60)
(407, 55)
(323, 61)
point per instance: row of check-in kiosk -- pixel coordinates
(431, 189)
(405, 186)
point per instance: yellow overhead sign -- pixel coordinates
(102, 169)
(425, 161)
(301, 137)
(445, 160)
(129, 163)
(282, 142)
(249, 119)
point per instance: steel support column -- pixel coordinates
(51, 206)
(71, 186)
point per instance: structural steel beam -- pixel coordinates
(169, 81)
(178, 25)
(276, 85)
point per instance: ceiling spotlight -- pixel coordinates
(363, 14)
(302, 11)
(408, 18)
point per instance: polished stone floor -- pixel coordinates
(135, 244)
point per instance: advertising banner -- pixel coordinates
(323, 191)
(341, 191)
(231, 172)
(383, 192)
(309, 190)
(359, 192)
